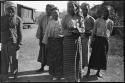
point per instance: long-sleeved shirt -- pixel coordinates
(54, 29)
(103, 27)
(11, 30)
(89, 23)
(43, 21)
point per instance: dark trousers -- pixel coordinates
(42, 58)
(9, 58)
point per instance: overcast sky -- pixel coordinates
(62, 5)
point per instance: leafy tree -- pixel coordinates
(117, 5)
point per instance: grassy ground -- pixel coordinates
(29, 54)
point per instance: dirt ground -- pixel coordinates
(28, 62)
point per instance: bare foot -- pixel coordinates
(55, 78)
(99, 75)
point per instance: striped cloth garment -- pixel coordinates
(70, 60)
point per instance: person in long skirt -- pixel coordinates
(102, 30)
(53, 38)
(43, 21)
(71, 55)
(89, 25)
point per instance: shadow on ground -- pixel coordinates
(33, 76)
(90, 78)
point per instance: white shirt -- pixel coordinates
(54, 29)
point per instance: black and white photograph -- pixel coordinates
(62, 41)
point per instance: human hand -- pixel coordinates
(71, 24)
(17, 47)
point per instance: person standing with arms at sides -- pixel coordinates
(101, 33)
(11, 39)
(89, 25)
(71, 55)
(43, 21)
(53, 38)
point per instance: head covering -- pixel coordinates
(76, 3)
(50, 5)
(84, 5)
(55, 8)
(101, 9)
(10, 4)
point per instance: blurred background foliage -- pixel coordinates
(116, 14)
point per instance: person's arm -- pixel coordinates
(92, 20)
(81, 27)
(19, 31)
(111, 27)
(61, 29)
(47, 34)
(94, 30)
(64, 25)
(92, 23)
(38, 33)
(92, 38)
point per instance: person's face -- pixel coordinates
(48, 11)
(105, 14)
(55, 14)
(71, 8)
(85, 10)
(11, 11)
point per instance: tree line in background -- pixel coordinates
(116, 11)
(116, 14)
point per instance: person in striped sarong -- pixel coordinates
(53, 39)
(89, 25)
(71, 42)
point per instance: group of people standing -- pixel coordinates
(64, 43)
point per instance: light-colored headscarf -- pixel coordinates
(76, 3)
(10, 4)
